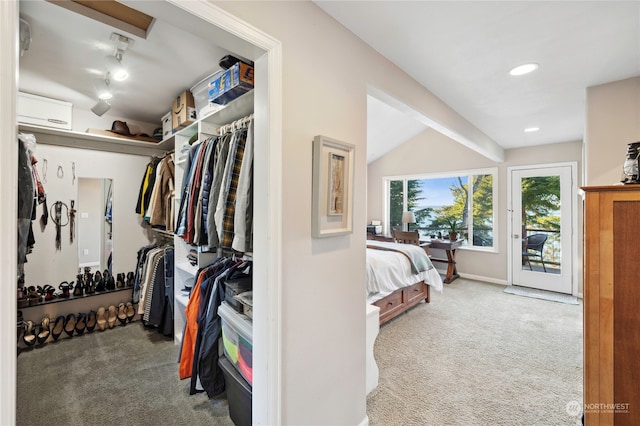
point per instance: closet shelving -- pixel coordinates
(204, 127)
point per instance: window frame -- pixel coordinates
(469, 173)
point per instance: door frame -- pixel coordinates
(267, 409)
(575, 263)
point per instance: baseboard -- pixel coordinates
(364, 422)
(485, 279)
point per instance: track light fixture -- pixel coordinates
(101, 107)
(102, 87)
(114, 62)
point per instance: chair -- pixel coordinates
(533, 248)
(411, 237)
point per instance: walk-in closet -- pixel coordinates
(136, 256)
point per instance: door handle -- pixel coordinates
(516, 236)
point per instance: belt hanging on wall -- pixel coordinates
(57, 218)
(72, 221)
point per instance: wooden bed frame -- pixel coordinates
(401, 300)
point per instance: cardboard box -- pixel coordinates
(41, 111)
(183, 111)
(232, 83)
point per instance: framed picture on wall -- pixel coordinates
(332, 210)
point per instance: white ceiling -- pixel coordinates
(67, 53)
(462, 52)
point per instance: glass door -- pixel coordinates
(541, 237)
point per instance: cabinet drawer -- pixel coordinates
(391, 304)
(41, 111)
(414, 293)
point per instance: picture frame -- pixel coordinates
(333, 169)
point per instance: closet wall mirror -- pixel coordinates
(94, 223)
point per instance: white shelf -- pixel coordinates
(50, 136)
(187, 267)
(181, 299)
(234, 110)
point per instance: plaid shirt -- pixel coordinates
(231, 186)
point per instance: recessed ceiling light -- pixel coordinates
(524, 69)
(531, 129)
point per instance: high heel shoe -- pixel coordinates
(89, 287)
(33, 296)
(29, 336)
(120, 281)
(99, 281)
(58, 327)
(130, 279)
(91, 321)
(44, 331)
(49, 292)
(111, 318)
(79, 288)
(122, 314)
(64, 288)
(101, 319)
(70, 324)
(81, 323)
(130, 311)
(109, 281)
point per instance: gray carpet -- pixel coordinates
(123, 376)
(478, 356)
(542, 294)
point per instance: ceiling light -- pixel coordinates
(102, 88)
(114, 65)
(101, 107)
(524, 69)
(531, 129)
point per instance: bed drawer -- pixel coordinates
(390, 305)
(414, 294)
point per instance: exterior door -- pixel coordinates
(541, 227)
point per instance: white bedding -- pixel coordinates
(388, 271)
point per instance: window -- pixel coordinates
(466, 199)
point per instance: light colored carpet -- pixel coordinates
(123, 376)
(542, 294)
(478, 356)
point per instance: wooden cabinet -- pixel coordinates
(612, 305)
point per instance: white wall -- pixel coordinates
(45, 265)
(613, 121)
(327, 71)
(431, 152)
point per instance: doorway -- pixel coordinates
(543, 219)
(267, 52)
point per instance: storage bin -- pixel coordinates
(237, 332)
(200, 93)
(41, 111)
(235, 286)
(238, 394)
(167, 125)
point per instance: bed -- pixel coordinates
(399, 276)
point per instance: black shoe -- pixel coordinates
(81, 324)
(29, 336)
(58, 327)
(122, 313)
(70, 324)
(120, 281)
(79, 288)
(92, 320)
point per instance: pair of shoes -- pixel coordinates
(109, 281)
(65, 288)
(32, 296)
(120, 281)
(111, 318)
(49, 292)
(130, 279)
(79, 288)
(101, 319)
(122, 314)
(58, 327)
(100, 284)
(44, 331)
(130, 311)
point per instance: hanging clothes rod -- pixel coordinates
(235, 125)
